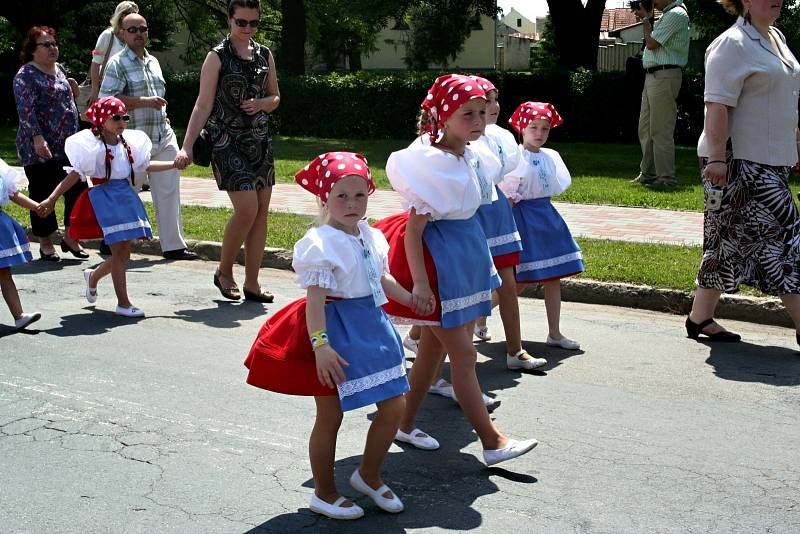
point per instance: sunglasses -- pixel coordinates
(48, 44)
(243, 23)
(117, 117)
(140, 29)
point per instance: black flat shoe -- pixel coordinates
(693, 330)
(80, 254)
(105, 250)
(53, 256)
(262, 296)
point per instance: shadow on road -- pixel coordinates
(746, 362)
(226, 314)
(98, 322)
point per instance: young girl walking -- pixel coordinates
(439, 249)
(549, 253)
(110, 209)
(337, 344)
(14, 246)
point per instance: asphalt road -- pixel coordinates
(117, 425)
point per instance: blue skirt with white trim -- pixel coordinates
(464, 269)
(497, 221)
(548, 250)
(363, 335)
(120, 213)
(14, 246)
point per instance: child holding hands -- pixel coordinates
(14, 246)
(337, 344)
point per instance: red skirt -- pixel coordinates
(506, 260)
(394, 229)
(281, 358)
(83, 223)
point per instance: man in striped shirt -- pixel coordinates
(666, 51)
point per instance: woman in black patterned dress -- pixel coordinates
(238, 89)
(749, 145)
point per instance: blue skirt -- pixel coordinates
(363, 335)
(497, 221)
(548, 250)
(120, 213)
(14, 246)
(465, 272)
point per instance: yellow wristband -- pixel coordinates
(318, 339)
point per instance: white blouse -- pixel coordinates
(435, 182)
(10, 182)
(508, 148)
(332, 259)
(87, 157)
(538, 174)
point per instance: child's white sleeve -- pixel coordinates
(85, 154)
(310, 263)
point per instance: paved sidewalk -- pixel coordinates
(584, 220)
(600, 222)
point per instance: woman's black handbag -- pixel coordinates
(201, 150)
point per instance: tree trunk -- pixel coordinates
(576, 30)
(293, 37)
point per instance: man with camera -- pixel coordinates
(666, 51)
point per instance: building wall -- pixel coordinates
(514, 16)
(478, 52)
(514, 54)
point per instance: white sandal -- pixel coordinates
(418, 439)
(91, 292)
(392, 505)
(515, 362)
(482, 333)
(335, 510)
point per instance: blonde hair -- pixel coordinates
(425, 121)
(123, 10)
(734, 7)
(323, 216)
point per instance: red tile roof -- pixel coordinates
(617, 18)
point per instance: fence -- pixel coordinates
(612, 57)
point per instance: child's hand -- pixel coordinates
(45, 207)
(329, 366)
(422, 300)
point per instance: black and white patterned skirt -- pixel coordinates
(754, 238)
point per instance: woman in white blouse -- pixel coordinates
(108, 44)
(749, 145)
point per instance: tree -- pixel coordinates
(439, 28)
(576, 31)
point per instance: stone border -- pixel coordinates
(763, 310)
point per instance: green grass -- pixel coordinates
(601, 172)
(663, 266)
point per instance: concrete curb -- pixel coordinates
(762, 310)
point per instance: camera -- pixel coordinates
(714, 198)
(646, 4)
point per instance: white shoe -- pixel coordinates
(335, 510)
(417, 438)
(487, 400)
(515, 362)
(411, 344)
(444, 390)
(26, 319)
(564, 343)
(133, 311)
(512, 450)
(91, 292)
(393, 505)
(482, 333)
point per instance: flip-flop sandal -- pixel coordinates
(230, 293)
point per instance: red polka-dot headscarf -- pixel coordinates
(447, 94)
(102, 109)
(529, 111)
(485, 84)
(320, 175)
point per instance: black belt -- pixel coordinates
(651, 70)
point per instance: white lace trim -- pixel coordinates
(460, 303)
(126, 226)
(317, 277)
(550, 262)
(15, 251)
(405, 321)
(420, 208)
(503, 239)
(351, 387)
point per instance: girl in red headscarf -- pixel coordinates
(439, 250)
(110, 210)
(549, 253)
(337, 343)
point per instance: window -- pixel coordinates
(519, 23)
